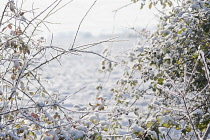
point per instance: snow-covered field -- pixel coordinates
(78, 76)
(82, 71)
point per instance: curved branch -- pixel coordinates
(81, 24)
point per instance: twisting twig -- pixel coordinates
(3, 14)
(75, 37)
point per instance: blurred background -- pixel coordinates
(107, 19)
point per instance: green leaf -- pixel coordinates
(99, 87)
(177, 127)
(119, 101)
(149, 124)
(203, 125)
(155, 78)
(164, 5)
(134, 1)
(99, 138)
(31, 93)
(103, 63)
(17, 126)
(184, 131)
(179, 32)
(170, 3)
(160, 81)
(150, 5)
(188, 128)
(11, 99)
(166, 125)
(178, 62)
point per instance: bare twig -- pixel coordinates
(75, 37)
(124, 6)
(207, 73)
(173, 84)
(3, 14)
(190, 119)
(96, 54)
(72, 94)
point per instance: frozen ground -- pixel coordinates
(78, 71)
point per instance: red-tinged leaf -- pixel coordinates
(34, 115)
(47, 134)
(9, 26)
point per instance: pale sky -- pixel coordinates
(99, 20)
